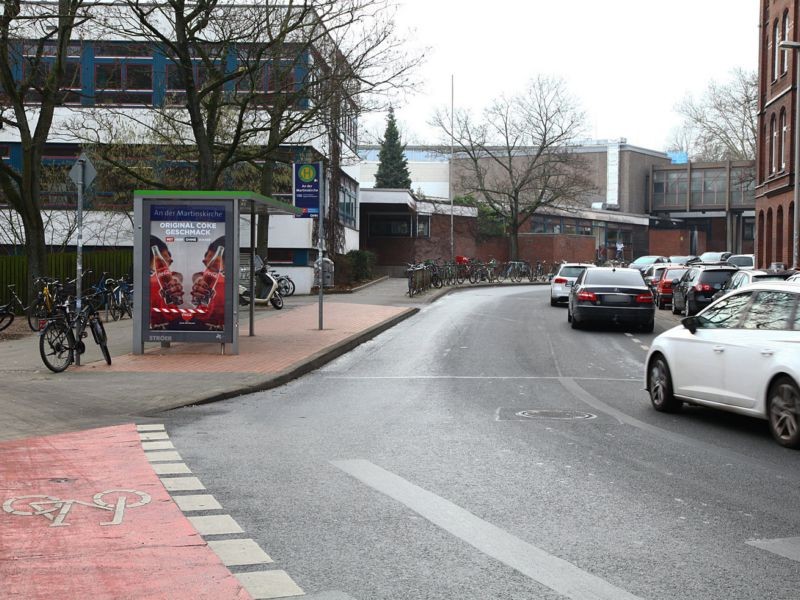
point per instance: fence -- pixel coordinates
(14, 269)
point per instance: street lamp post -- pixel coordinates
(786, 46)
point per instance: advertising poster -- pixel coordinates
(187, 257)
(307, 188)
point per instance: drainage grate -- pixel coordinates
(558, 415)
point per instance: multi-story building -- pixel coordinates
(131, 79)
(777, 124)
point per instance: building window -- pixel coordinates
(776, 38)
(782, 147)
(748, 229)
(423, 226)
(381, 225)
(118, 82)
(773, 133)
(784, 36)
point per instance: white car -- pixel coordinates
(743, 261)
(564, 279)
(740, 354)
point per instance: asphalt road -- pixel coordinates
(404, 470)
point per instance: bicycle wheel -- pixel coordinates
(99, 334)
(500, 276)
(56, 344)
(6, 318)
(289, 287)
(460, 274)
(283, 286)
(36, 312)
(115, 308)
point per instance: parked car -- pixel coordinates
(663, 287)
(715, 256)
(739, 354)
(694, 290)
(562, 281)
(743, 278)
(611, 295)
(653, 274)
(643, 262)
(683, 260)
(743, 261)
(794, 278)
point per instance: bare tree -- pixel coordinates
(249, 85)
(36, 42)
(723, 123)
(516, 158)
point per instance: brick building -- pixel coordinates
(777, 124)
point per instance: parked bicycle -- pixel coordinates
(9, 311)
(61, 340)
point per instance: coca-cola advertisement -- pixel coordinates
(187, 268)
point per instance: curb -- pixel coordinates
(350, 291)
(312, 363)
(473, 286)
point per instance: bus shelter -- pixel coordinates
(186, 264)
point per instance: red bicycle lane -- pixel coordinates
(83, 515)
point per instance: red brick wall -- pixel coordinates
(665, 242)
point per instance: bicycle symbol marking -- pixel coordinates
(56, 510)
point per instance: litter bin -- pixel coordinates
(327, 273)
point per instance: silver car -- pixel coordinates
(563, 281)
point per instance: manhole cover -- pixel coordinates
(558, 415)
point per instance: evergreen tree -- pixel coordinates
(392, 163)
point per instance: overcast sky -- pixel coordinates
(629, 62)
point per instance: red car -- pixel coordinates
(663, 286)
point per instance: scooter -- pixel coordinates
(269, 284)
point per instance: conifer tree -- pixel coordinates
(392, 163)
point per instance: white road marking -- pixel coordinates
(151, 427)
(215, 525)
(170, 468)
(786, 547)
(153, 435)
(197, 502)
(521, 377)
(269, 584)
(182, 484)
(628, 334)
(157, 446)
(643, 347)
(636, 340)
(163, 456)
(551, 571)
(234, 553)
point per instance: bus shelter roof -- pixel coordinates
(258, 203)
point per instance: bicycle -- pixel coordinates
(61, 340)
(8, 312)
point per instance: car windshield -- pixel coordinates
(711, 256)
(679, 259)
(571, 271)
(618, 277)
(715, 276)
(674, 274)
(645, 260)
(741, 261)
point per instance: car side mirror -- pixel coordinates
(690, 323)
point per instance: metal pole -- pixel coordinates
(320, 237)
(79, 266)
(796, 194)
(252, 268)
(450, 169)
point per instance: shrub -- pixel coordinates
(361, 264)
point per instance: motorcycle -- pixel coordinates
(269, 292)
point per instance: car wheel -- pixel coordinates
(553, 301)
(782, 408)
(660, 303)
(575, 323)
(686, 311)
(675, 310)
(569, 315)
(649, 326)
(659, 385)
